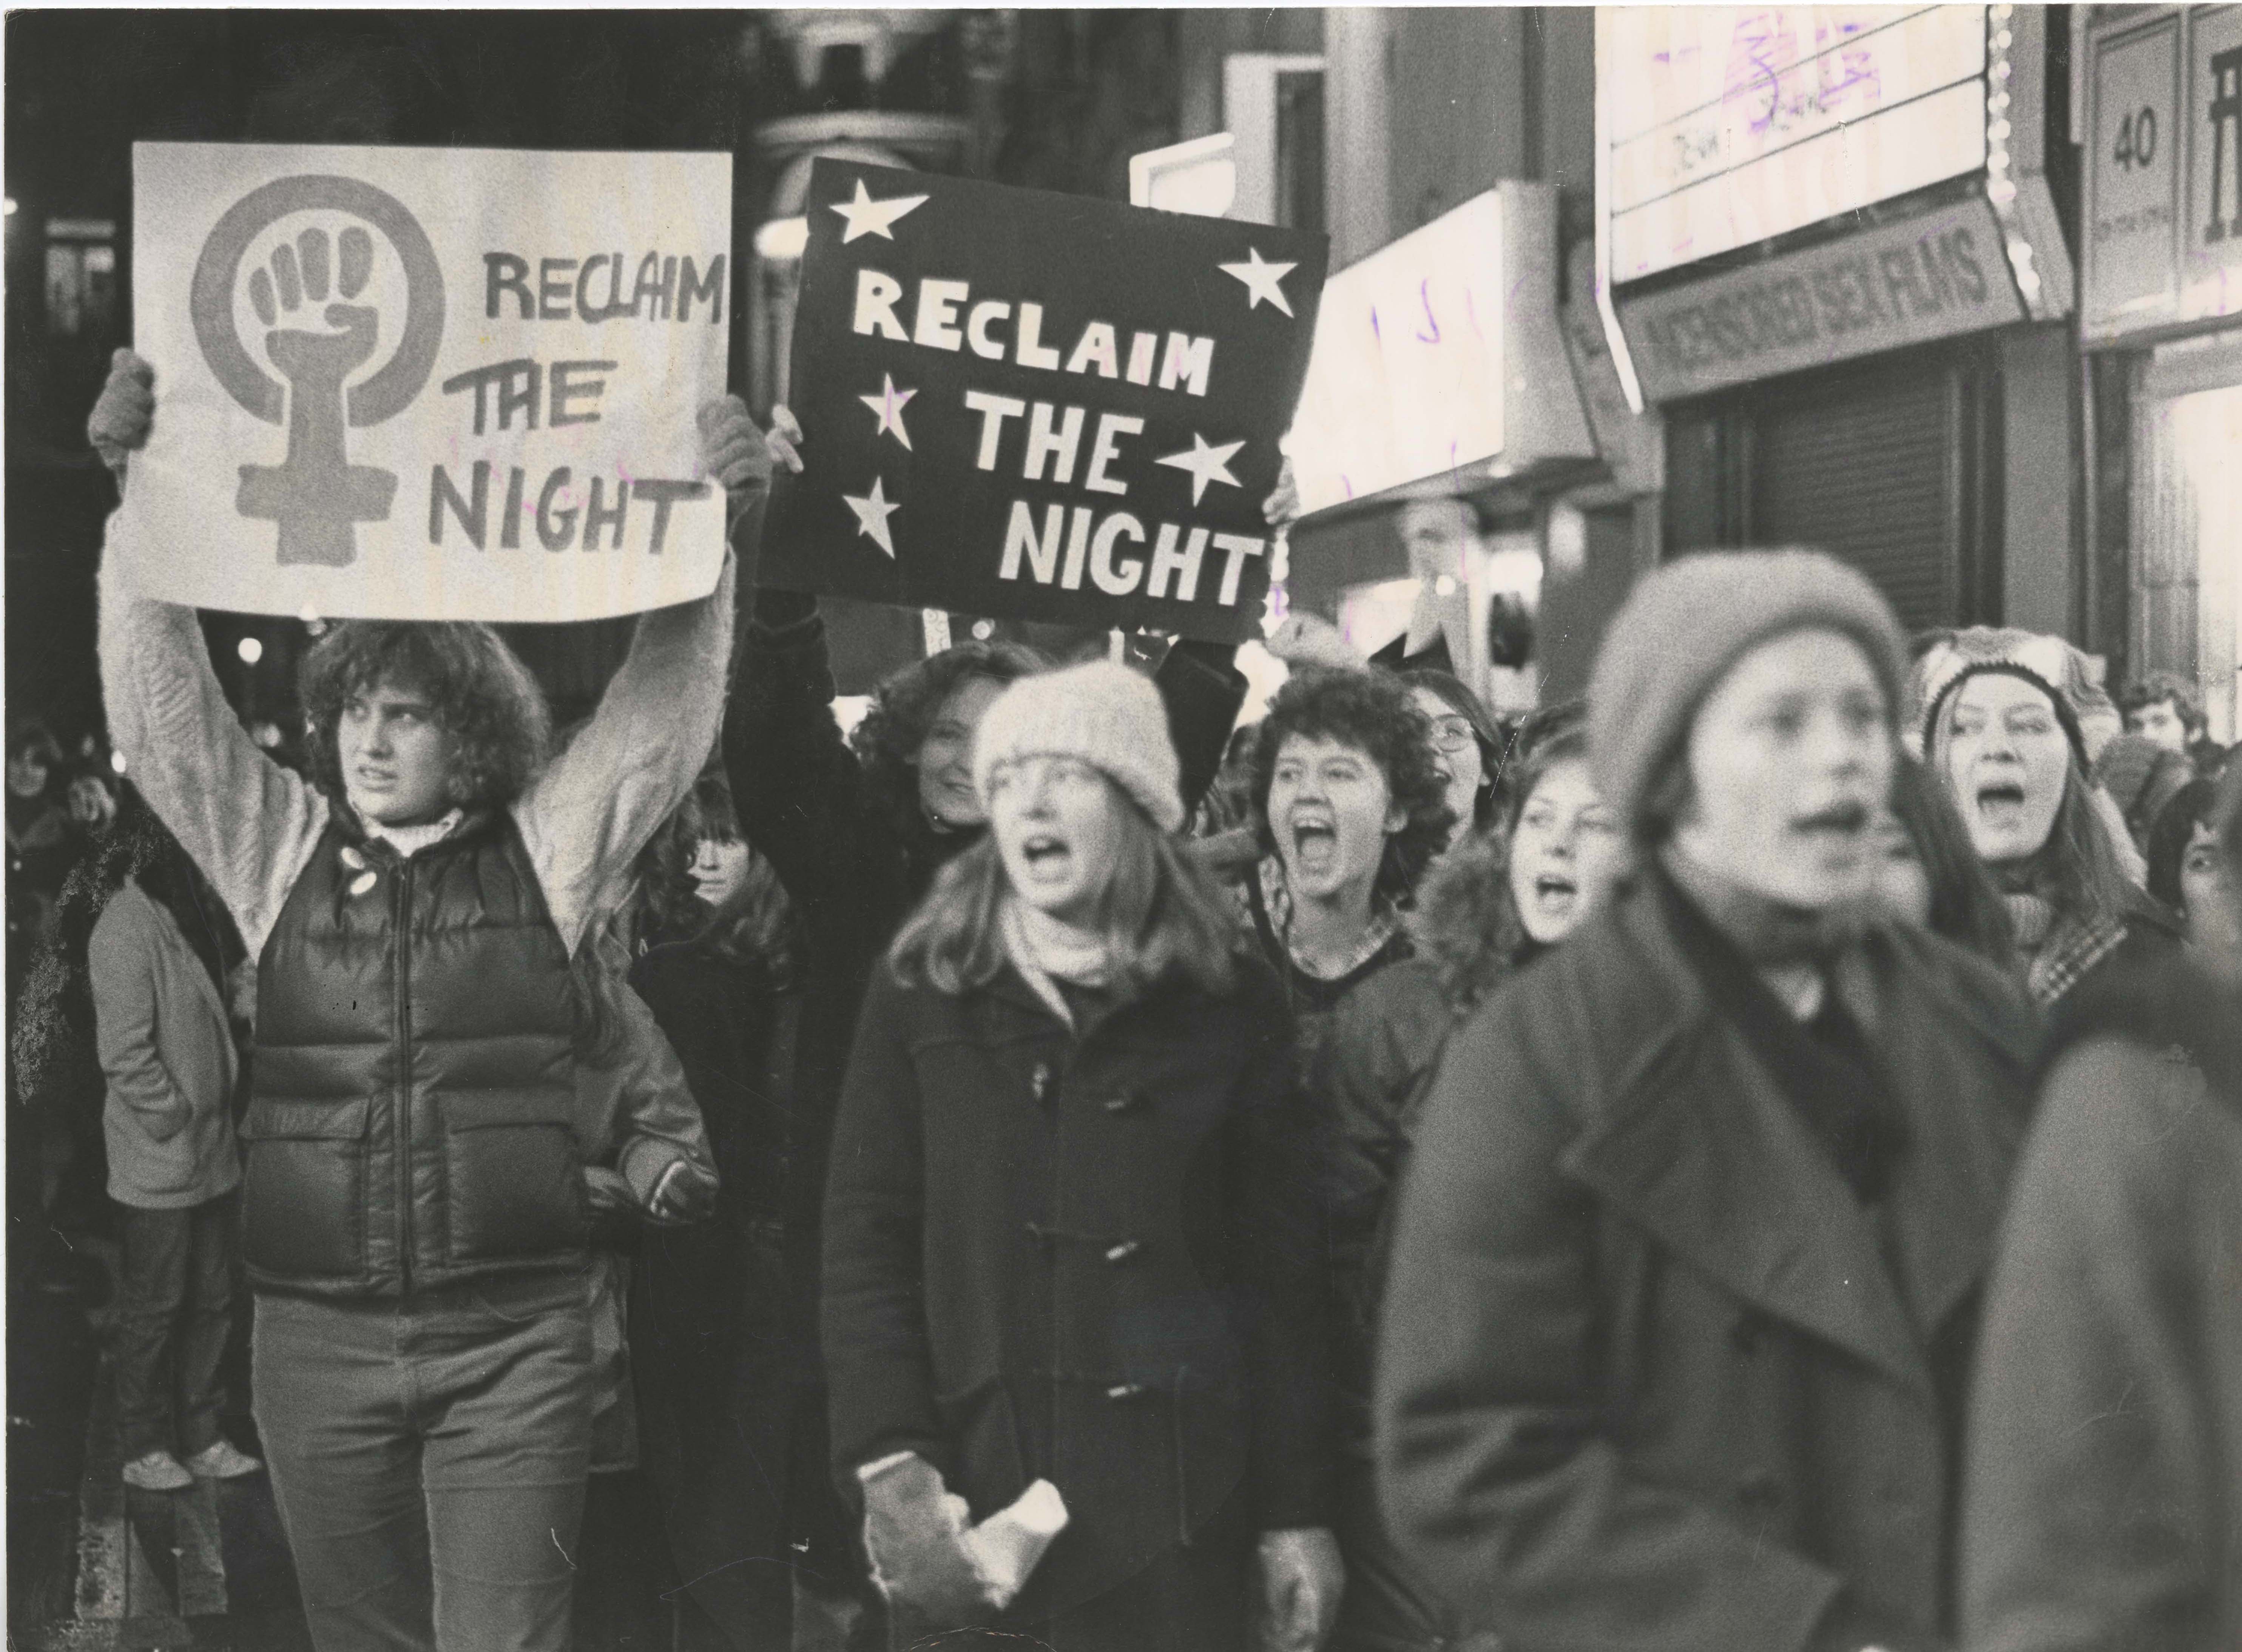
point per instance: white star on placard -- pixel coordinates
(869, 217)
(888, 404)
(1206, 463)
(1261, 278)
(872, 513)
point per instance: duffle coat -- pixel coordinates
(1092, 1259)
(1651, 1377)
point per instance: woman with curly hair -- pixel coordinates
(1502, 896)
(1349, 810)
(1074, 1314)
(415, 1226)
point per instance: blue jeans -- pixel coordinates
(428, 1455)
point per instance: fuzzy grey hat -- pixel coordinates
(1685, 624)
(1100, 712)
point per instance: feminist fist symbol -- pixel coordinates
(317, 494)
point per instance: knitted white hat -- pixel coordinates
(1101, 713)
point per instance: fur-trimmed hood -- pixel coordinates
(1465, 921)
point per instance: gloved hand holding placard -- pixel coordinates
(1038, 406)
(426, 384)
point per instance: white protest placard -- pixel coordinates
(427, 384)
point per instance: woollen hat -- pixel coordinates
(2061, 672)
(1686, 623)
(1100, 713)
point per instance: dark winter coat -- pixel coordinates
(2105, 1470)
(1652, 1378)
(1092, 1259)
(724, 1313)
(851, 870)
(412, 1119)
(1369, 1077)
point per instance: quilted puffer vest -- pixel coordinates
(410, 1123)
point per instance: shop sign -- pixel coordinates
(1928, 277)
(1039, 407)
(427, 383)
(2163, 175)
(1725, 125)
(1408, 378)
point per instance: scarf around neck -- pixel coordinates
(2056, 945)
(1766, 933)
(1046, 950)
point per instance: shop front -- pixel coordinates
(2161, 316)
(1440, 422)
(1833, 264)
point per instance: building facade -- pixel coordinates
(2160, 133)
(1817, 275)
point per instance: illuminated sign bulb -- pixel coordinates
(250, 649)
(782, 239)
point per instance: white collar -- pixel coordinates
(409, 841)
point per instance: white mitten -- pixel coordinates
(1006, 1548)
(924, 1555)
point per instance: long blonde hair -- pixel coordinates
(1159, 915)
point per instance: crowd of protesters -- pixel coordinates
(1751, 1160)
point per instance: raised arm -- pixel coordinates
(1202, 689)
(594, 808)
(780, 723)
(249, 823)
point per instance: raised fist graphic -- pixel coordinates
(316, 335)
(316, 494)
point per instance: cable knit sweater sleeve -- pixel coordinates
(602, 798)
(249, 823)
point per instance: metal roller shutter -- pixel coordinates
(1866, 466)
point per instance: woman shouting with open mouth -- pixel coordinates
(1073, 1269)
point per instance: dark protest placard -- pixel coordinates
(1037, 406)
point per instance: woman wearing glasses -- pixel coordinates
(1467, 752)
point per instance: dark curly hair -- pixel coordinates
(497, 729)
(1373, 712)
(903, 707)
(2186, 699)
